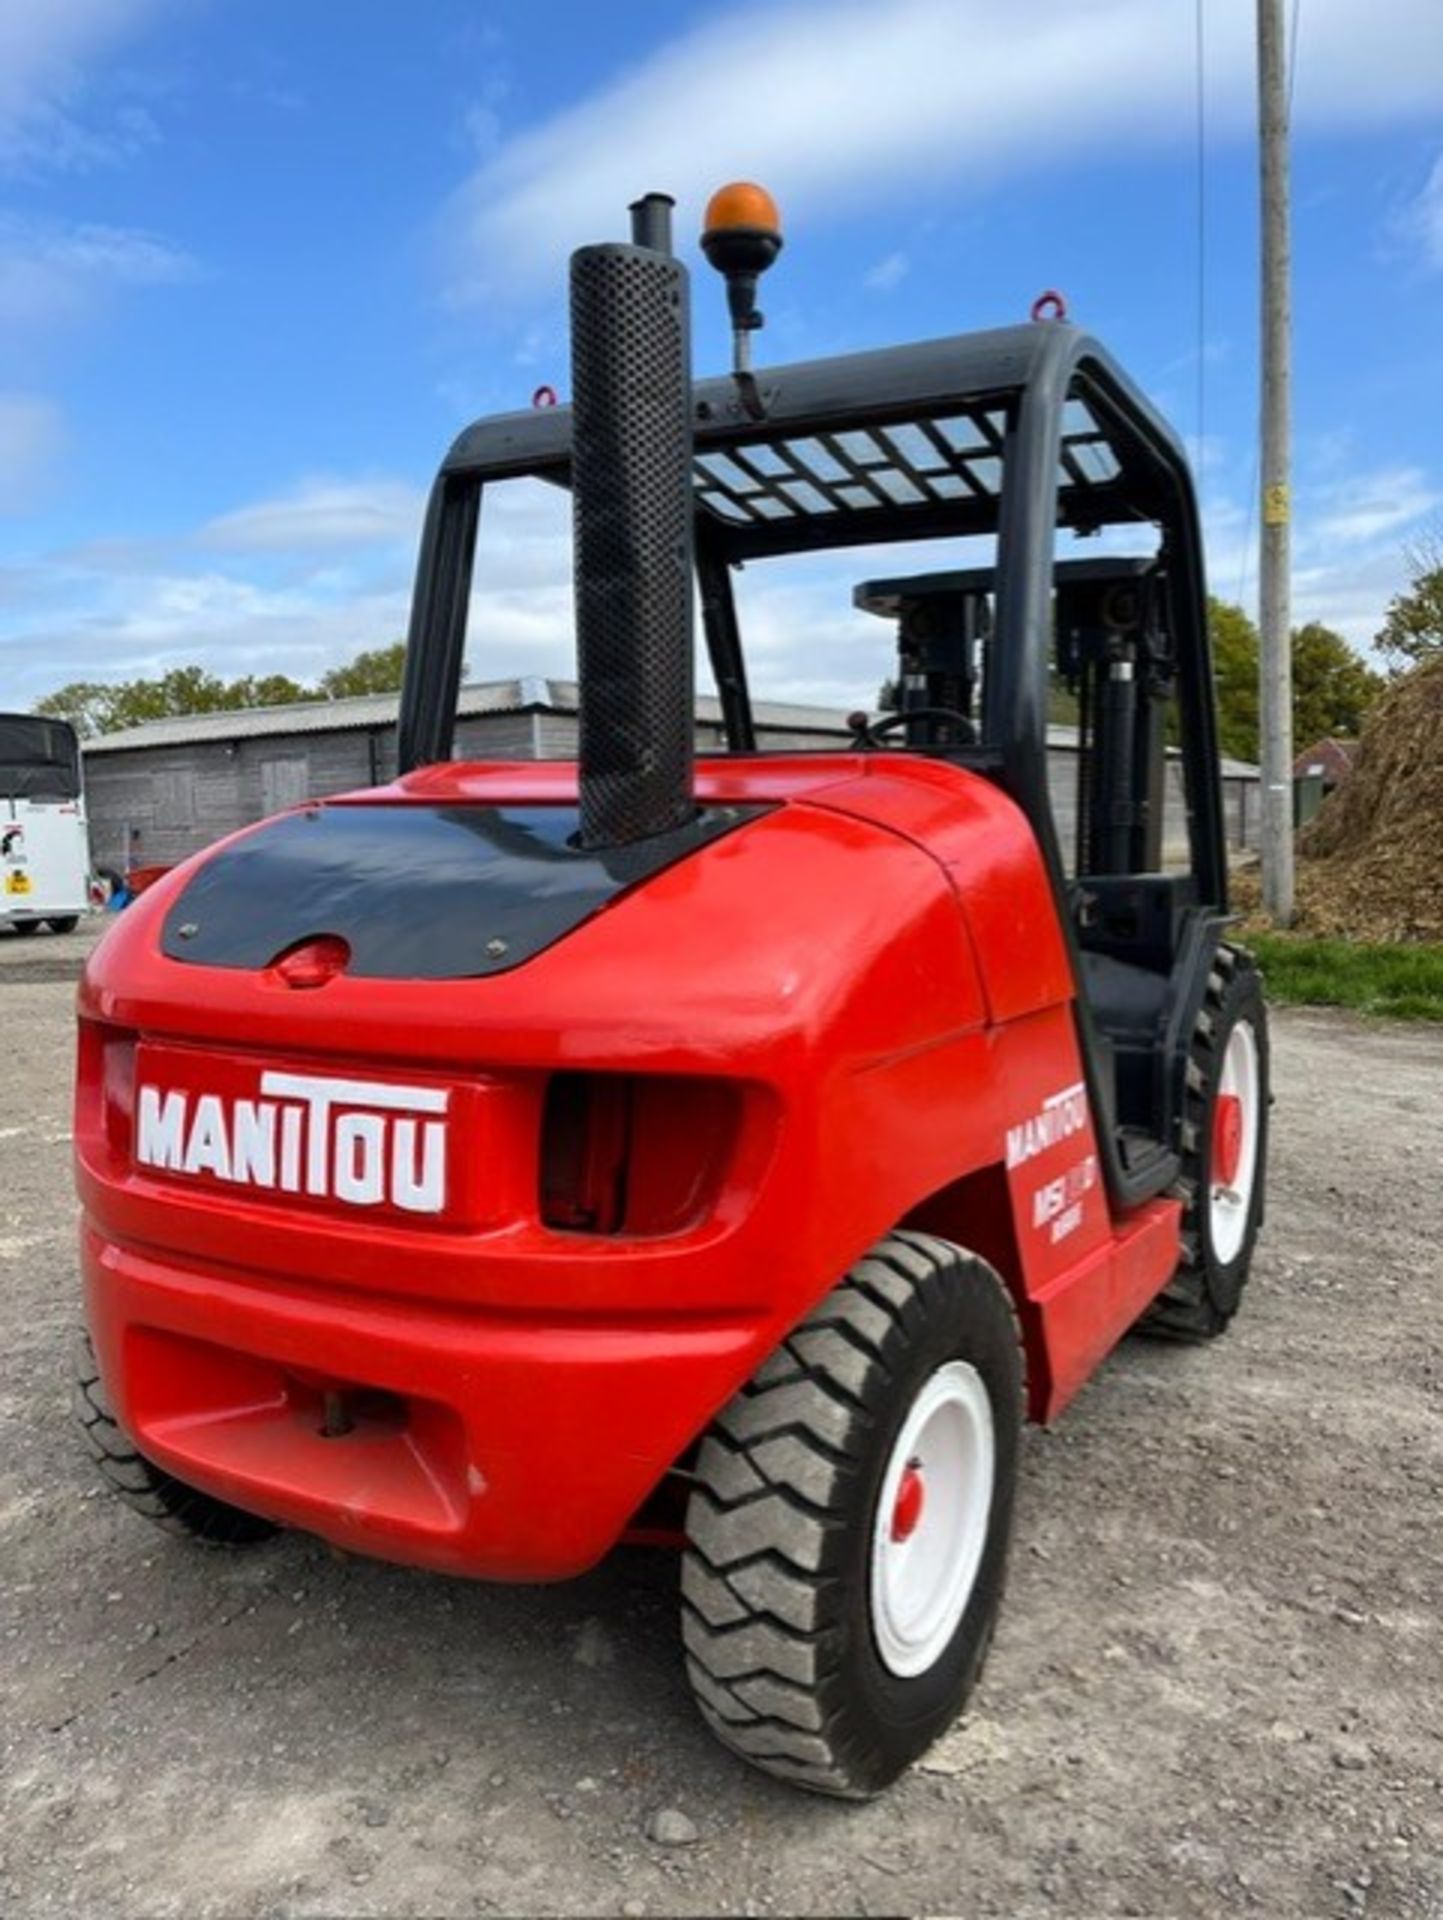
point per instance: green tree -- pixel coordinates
(94, 706)
(1332, 688)
(84, 703)
(1235, 675)
(1412, 628)
(269, 690)
(179, 690)
(374, 670)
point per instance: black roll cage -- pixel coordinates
(1029, 373)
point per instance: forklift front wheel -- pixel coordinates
(161, 1498)
(1225, 1155)
(849, 1526)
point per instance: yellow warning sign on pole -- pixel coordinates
(1276, 507)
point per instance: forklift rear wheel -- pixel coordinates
(1225, 1155)
(163, 1500)
(25, 927)
(64, 923)
(849, 1524)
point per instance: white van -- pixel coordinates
(44, 844)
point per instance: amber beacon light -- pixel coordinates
(741, 237)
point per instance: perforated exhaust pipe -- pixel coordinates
(631, 493)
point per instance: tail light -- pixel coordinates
(311, 963)
(633, 1153)
(105, 1087)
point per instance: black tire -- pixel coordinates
(64, 923)
(1204, 1293)
(776, 1581)
(162, 1499)
(25, 927)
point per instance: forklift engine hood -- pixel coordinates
(416, 892)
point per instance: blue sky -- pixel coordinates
(259, 260)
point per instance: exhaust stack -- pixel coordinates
(632, 505)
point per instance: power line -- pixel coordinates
(1293, 51)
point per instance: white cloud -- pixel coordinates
(31, 436)
(1364, 507)
(1349, 544)
(45, 47)
(1351, 528)
(50, 272)
(321, 515)
(295, 583)
(71, 625)
(301, 580)
(890, 271)
(481, 124)
(41, 43)
(240, 626)
(1422, 222)
(841, 106)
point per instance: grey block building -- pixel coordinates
(159, 792)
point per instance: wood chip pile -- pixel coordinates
(1370, 865)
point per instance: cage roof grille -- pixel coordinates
(911, 463)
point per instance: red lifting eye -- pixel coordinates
(1049, 306)
(314, 962)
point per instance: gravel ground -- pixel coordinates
(1218, 1683)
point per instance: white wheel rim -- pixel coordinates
(921, 1583)
(1229, 1203)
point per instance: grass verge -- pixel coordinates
(1401, 980)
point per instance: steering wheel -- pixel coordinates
(868, 733)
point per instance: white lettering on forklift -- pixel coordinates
(1058, 1204)
(357, 1141)
(1062, 1115)
(254, 1161)
(160, 1129)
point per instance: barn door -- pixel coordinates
(284, 783)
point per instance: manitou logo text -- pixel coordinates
(1062, 1115)
(357, 1141)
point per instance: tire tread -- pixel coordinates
(145, 1488)
(1186, 1310)
(763, 1601)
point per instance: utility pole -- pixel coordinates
(1275, 663)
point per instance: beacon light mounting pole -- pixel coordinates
(741, 237)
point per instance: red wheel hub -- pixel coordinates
(911, 1498)
(1227, 1139)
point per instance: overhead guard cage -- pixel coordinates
(1014, 432)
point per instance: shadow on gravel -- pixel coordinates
(46, 973)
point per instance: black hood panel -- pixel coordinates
(417, 892)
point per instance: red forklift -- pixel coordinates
(523, 1158)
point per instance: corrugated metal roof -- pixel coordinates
(309, 716)
(530, 694)
(1065, 738)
